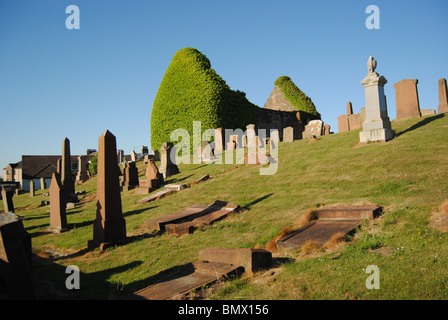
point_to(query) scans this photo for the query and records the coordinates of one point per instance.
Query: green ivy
(297, 98)
(192, 91)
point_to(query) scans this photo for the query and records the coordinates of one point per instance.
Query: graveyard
(406, 176)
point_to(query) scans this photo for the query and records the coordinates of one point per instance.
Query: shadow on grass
(174, 180)
(420, 124)
(250, 204)
(50, 281)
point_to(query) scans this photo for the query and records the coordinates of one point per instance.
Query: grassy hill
(407, 176)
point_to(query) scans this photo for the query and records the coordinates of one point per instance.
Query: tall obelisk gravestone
(66, 172)
(58, 216)
(109, 227)
(376, 126)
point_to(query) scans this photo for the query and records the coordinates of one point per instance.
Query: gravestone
(288, 134)
(205, 151)
(59, 166)
(15, 258)
(343, 123)
(349, 108)
(218, 140)
(130, 176)
(427, 112)
(154, 179)
(66, 173)
(377, 126)
(443, 96)
(167, 166)
(32, 193)
(326, 129)
(313, 128)
(82, 169)
(134, 156)
(251, 135)
(58, 217)
(349, 121)
(144, 150)
(42, 183)
(120, 156)
(109, 227)
(406, 99)
(156, 155)
(7, 194)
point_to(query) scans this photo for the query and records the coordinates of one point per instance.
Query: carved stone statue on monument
(371, 64)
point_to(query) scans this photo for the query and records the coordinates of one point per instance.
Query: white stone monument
(376, 126)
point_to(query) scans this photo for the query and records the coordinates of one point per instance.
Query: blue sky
(57, 83)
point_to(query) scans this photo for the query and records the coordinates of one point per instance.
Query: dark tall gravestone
(15, 258)
(7, 194)
(66, 172)
(109, 227)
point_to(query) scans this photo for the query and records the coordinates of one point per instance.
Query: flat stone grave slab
(189, 214)
(187, 278)
(155, 196)
(176, 186)
(214, 264)
(330, 220)
(215, 212)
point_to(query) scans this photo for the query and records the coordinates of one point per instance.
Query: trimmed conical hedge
(297, 98)
(192, 91)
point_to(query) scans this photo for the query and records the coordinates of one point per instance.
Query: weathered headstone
(427, 112)
(406, 99)
(349, 108)
(251, 135)
(218, 140)
(7, 194)
(134, 156)
(58, 217)
(66, 172)
(288, 134)
(130, 176)
(443, 96)
(32, 193)
(313, 128)
(156, 155)
(167, 167)
(377, 126)
(15, 258)
(144, 150)
(120, 156)
(205, 151)
(109, 227)
(82, 169)
(326, 129)
(154, 179)
(349, 121)
(343, 123)
(42, 183)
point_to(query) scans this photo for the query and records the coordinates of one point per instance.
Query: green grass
(406, 175)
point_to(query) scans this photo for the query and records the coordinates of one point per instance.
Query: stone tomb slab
(187, 278)
(331, 220)
(183, 222)
(155, 196)
(214, 264)
(215, 212)
(180, 216)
